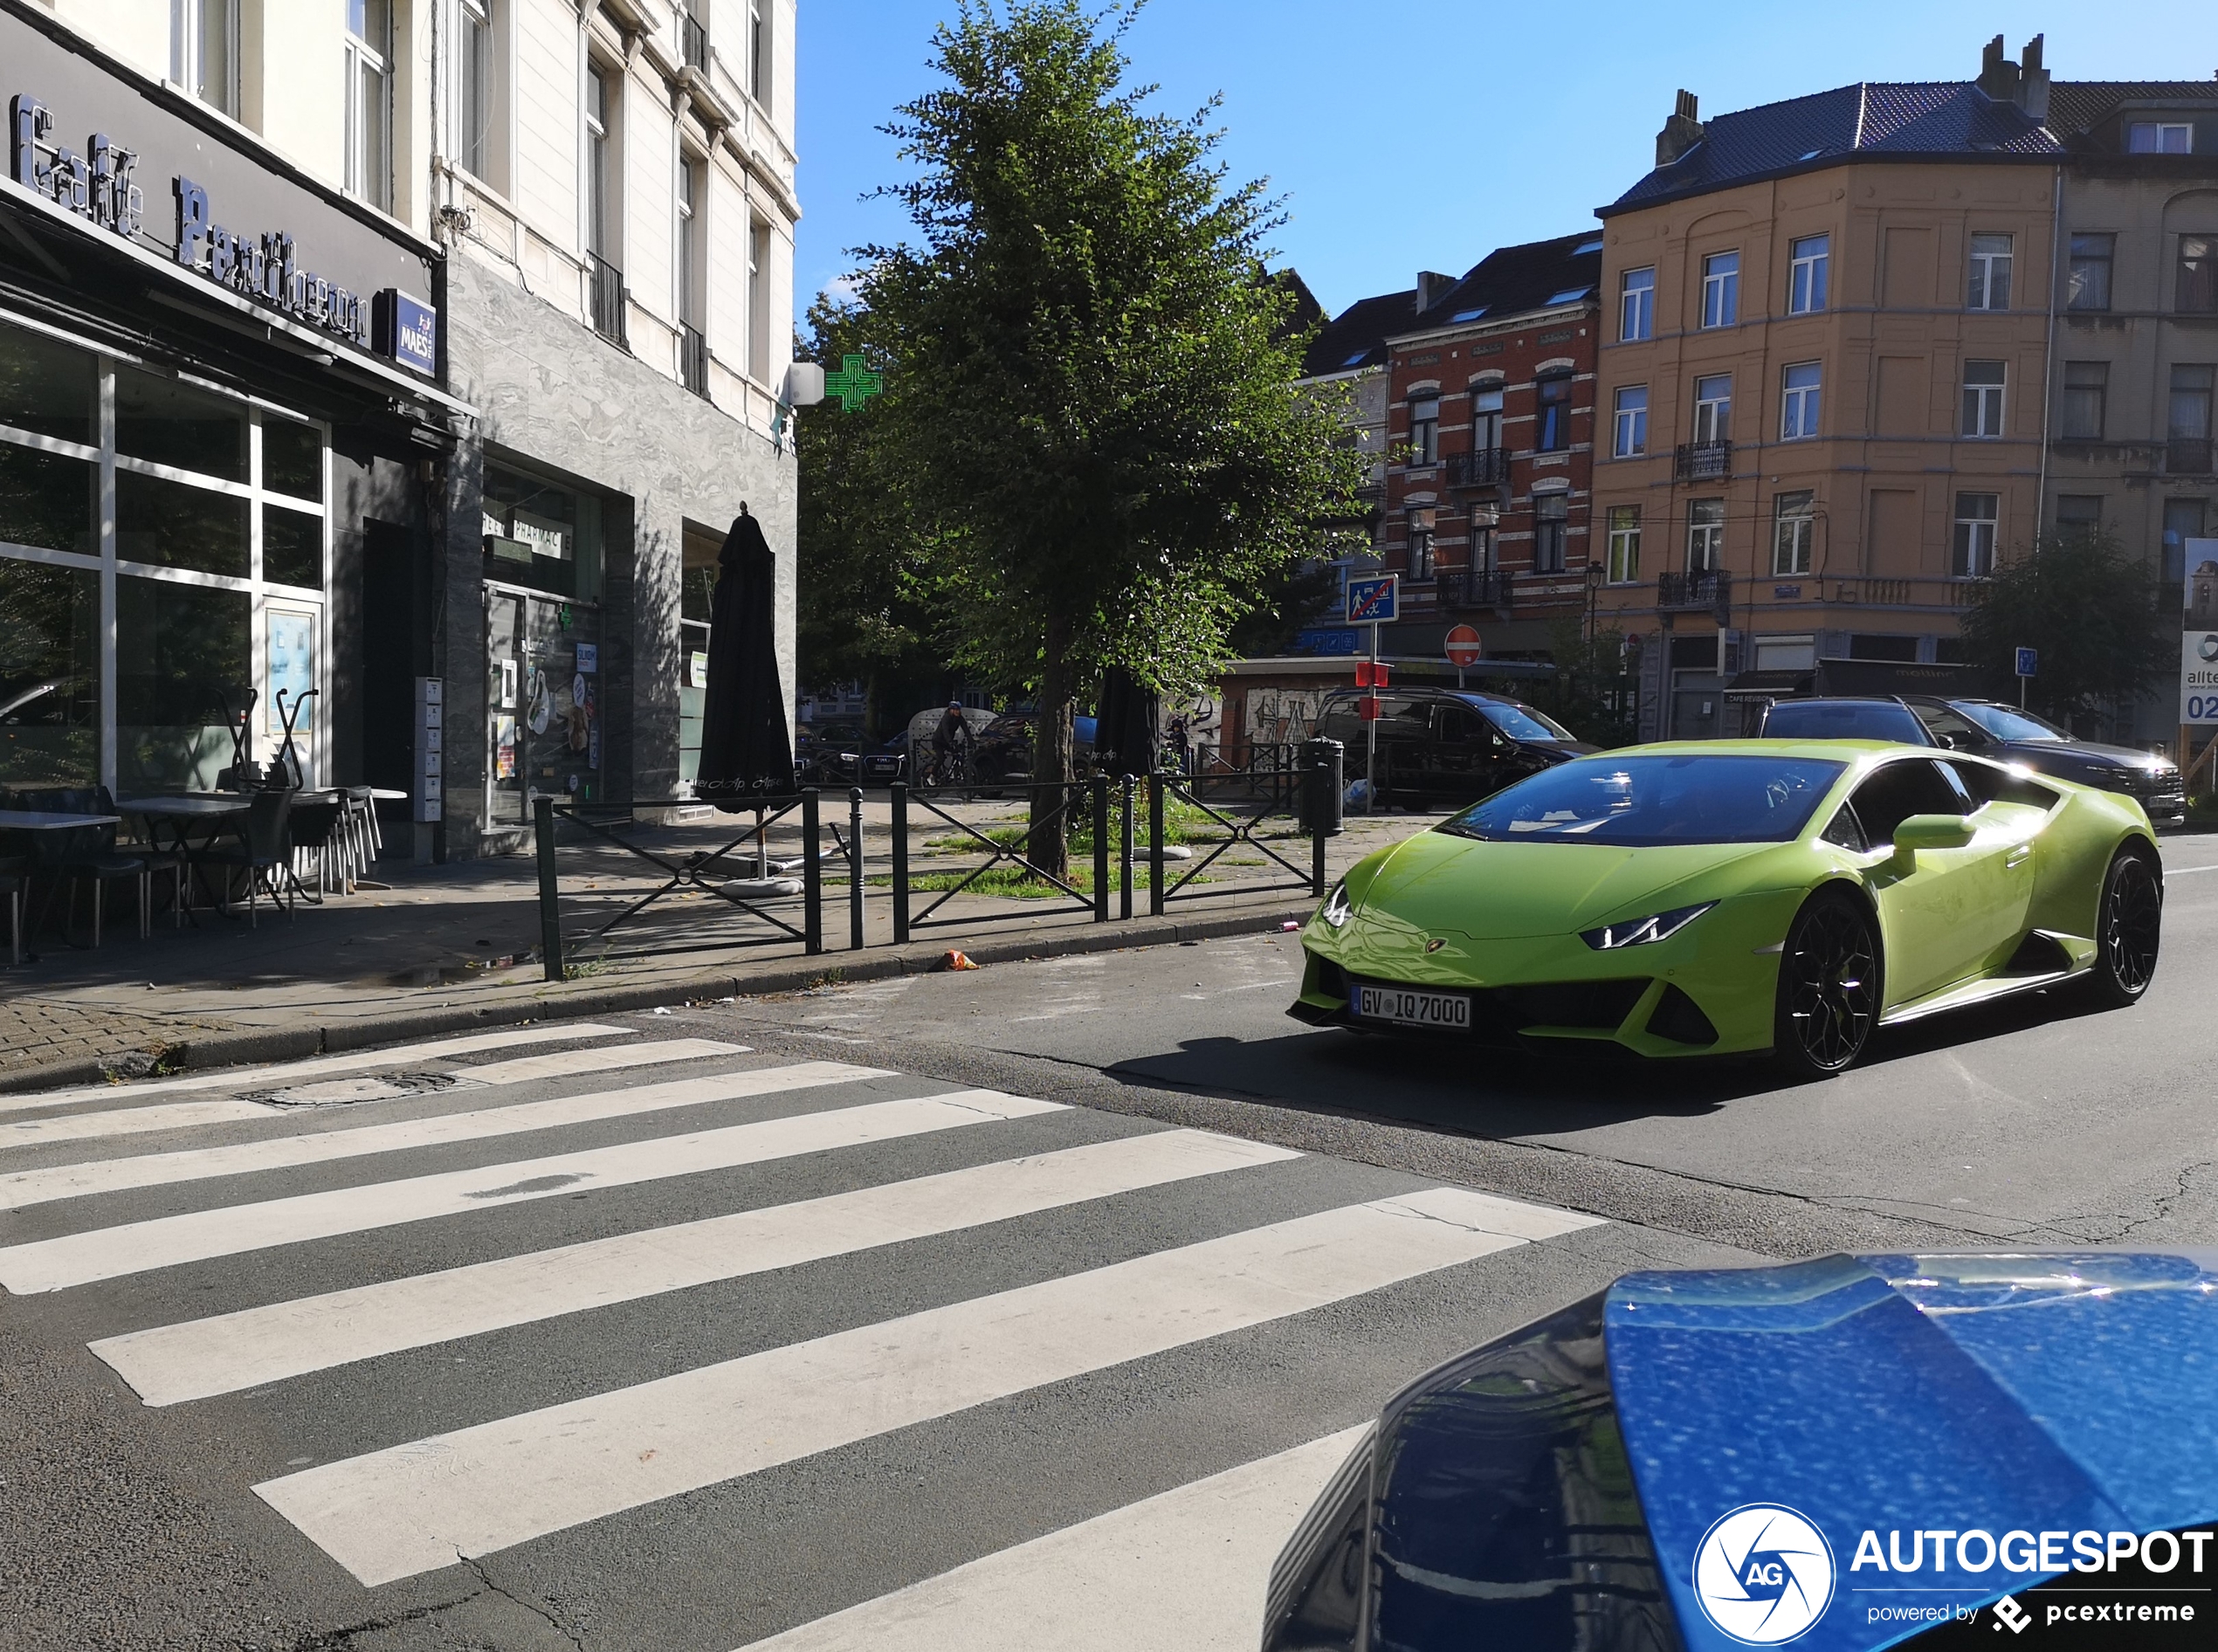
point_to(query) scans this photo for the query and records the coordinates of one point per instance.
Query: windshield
(1844, 720)
(1647, 801)
(2005, 723)
(1522, 722)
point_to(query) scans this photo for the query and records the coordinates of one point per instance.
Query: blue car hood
(1879, 1397)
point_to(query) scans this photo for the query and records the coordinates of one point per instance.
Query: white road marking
(1188, 1568)
(319, 1146)
(417, 1507)
(165, 1241)
(183, 1115)
(567, 1062)
(223, 1355)
(2187, 871)
(353, 1062)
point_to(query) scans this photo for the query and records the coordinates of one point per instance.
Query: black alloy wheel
(2128, 929)
(1828, 989)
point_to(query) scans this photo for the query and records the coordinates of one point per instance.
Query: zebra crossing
(550, 1327)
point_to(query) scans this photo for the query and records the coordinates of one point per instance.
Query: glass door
(543, 702)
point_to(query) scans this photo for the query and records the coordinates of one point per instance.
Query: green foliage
(1593, 691)
(1088, 395)
(2091, 610)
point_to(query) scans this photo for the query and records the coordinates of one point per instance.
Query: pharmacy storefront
(218, 433)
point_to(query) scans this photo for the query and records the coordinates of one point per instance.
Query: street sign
(1373, 601)
(1370, 674)
(2029, 662)
(1463, 647)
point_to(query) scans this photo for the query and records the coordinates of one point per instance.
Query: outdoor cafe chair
(88, 854)
(264, 854)
(12, 886)
(322, 830)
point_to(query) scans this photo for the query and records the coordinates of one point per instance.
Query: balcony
(606, 298)
(1487, 467)
(692, 358)
(1703, 461)
(696, 36)
(1477, 588)
(1709, 588)
(2188, 456)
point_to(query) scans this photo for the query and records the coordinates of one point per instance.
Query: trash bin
(1320, 786)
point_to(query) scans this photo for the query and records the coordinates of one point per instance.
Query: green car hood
(1505, 892)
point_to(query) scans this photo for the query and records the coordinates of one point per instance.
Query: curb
(291, 1043)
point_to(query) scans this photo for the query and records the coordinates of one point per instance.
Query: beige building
(1826, 371)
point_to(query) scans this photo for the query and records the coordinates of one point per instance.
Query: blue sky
(1423, 134)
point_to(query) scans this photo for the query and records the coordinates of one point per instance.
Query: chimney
(1431, 286)
(1681, 133)
(2033, 81)
(1998, 75)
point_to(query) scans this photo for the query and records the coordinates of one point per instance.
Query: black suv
(1446, 746)
(1991, 729)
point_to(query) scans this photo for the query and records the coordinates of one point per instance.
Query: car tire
(1830, 973)
(2129, 929)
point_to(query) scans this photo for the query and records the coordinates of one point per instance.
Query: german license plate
(1406, 1007)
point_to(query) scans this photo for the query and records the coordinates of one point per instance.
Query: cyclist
(950, 743)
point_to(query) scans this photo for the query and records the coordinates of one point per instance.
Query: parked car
(1446, 746)
(1005, 747)
(1845, 717)
(826, 754)
(1845, 1453)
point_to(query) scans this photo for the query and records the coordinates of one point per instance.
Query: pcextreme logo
(1764, 1574)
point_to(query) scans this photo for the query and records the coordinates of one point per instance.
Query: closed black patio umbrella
(1125, 731)
(746, 751)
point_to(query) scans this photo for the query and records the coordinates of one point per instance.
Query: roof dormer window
(2160, 137)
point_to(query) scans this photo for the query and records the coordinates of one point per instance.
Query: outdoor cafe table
(180, 812)
(40, 820)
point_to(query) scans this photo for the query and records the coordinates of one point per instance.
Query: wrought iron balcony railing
(1701, 461)
(1709, 587)
(1476, 587)
(1486, 467)
(606, 298)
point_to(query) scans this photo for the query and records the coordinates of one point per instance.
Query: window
(1975, 516)
(1706, 535)
(370, 101)
(1891, 796)
(1800, 390)
(758, 53)
(1552, 431)
(2197, 290)
(1713, 408)
(2160, 137)
(1721, 289)
(757, 301)
(1484, 524)
(2088, 283)
(1794, 528)
(600, 109)
(1990, 282)
(1425, 430)
(1421, 551)
(2078, 515)
(1807, 262)
(1486, 417)
(1631, 426)
(1983, 386)
(2183, 520)
(1624, 553)
(2086, 394)
(691, 187)
(204, 50)
(2189, 425)
(1551, 528)
(473, 88)
(1637, 305)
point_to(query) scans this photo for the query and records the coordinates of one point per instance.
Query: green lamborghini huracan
(1733, 897)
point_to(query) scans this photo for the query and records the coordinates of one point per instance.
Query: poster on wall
(290, 636)
(2198, 636)
(504, 748)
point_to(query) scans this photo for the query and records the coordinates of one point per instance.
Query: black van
(1445, 745)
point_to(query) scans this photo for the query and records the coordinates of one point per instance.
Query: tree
(1592, 692)
(1090, 398)
(2090, 609)
(866, 602)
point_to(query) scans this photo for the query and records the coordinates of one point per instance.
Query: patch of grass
(1183, 822)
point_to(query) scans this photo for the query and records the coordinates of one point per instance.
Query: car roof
(1831, 750)
(1439, 691)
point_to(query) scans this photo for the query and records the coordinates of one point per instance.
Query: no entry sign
(1463, 647)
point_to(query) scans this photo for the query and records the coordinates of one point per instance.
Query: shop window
(50, 675)
(541, 535)
(291, 458)
(1882, 645)
(182, 657)
(292, 548)
(164, 523)
(48, 500)
(165, 423)
(48, 388)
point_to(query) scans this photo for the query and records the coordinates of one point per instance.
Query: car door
(1946, 914)
(1462, 769)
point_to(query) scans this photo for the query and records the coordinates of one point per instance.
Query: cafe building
(218, 382)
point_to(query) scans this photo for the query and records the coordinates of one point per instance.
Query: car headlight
(1337, 909)
(1640, 931)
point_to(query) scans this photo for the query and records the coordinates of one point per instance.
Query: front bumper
(1709, 990)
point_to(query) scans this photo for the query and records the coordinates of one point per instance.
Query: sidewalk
(453, 947)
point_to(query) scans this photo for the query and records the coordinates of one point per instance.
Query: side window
(1991, 784)
(1953, 731)
(1847, 830)
(1458, 726)
(1912, 787)
(1981, 781)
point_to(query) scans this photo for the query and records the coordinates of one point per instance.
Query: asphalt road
(1012, 1308)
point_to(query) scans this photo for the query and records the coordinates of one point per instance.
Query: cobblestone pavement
(35, 1032)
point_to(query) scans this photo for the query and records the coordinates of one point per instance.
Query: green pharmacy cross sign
(854, 383)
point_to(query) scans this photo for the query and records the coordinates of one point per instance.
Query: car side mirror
(1933, 831)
